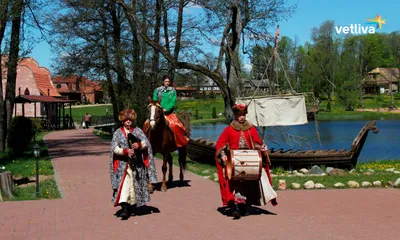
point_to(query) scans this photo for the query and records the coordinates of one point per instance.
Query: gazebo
(54, 109)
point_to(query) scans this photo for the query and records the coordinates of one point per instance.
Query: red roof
(42, 77)
(35, 98)
(185, 88)
(84, 83)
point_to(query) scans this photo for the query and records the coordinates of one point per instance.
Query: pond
(385, 145)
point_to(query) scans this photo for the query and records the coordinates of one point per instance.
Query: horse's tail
(182, 158)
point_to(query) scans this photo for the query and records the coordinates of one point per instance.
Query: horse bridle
(151, 104)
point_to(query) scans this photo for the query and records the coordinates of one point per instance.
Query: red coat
(230, 137)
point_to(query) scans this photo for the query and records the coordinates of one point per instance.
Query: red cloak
(230, 137)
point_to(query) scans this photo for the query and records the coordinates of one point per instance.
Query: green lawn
(205, 108)
(79, 112)
(25, 167)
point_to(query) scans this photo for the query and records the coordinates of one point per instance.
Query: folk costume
(167, 95)
(130, 175)
(243, 193)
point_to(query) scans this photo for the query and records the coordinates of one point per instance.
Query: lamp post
(36, 153)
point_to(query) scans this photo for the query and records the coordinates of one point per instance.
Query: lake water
(385, 145)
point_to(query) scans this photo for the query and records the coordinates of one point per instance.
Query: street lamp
(36, 153)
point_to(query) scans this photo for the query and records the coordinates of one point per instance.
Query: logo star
(378, 20)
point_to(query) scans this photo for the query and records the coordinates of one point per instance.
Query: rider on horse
(167, 97)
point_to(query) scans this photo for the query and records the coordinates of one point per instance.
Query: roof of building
(383, 75)
(96, 85)
(42, 77)
(36, 98)
(185, 89)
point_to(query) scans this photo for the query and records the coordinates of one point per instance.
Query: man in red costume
(240, 195)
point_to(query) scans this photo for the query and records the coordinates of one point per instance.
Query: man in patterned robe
(240, 195)
(131, 170)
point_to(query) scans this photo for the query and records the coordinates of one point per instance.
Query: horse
(162, 141)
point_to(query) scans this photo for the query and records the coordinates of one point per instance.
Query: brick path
(85, 212)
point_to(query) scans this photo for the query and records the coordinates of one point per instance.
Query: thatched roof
(382, 76)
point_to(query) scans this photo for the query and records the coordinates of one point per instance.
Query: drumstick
(266, 154)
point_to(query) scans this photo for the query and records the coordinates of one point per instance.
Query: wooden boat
(203, 151)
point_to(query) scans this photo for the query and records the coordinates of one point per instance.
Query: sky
(308, 14)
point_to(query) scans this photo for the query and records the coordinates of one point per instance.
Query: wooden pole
(63, 110)
(70, 115)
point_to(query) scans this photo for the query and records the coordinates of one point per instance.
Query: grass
(209, 171)
(25, 167)
(378, 168)
(205, 108)
(47, 190)
(201, 169)
(338, 111)
(79, 112)
(103, 135)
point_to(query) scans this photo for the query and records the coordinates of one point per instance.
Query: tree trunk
(6, 185)
(156, 55)
(13, 59)
(140, 84)
(107, 72)
(123, 88)
(3, 123)
(232, 58)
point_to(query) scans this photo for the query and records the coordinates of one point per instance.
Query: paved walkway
(85, 212)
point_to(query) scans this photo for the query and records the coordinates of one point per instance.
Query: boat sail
(276, 110)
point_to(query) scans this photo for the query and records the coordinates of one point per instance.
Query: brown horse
(162, 141)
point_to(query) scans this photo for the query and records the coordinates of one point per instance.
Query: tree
(322, 59)
(99, 42)
(349, 81)
(237, 17)
(4, 5)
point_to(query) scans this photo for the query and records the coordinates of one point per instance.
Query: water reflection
(333, 135)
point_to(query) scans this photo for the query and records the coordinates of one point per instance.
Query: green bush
(379, 98)
(37, 124)
(214, 113)
(328, 107)
(20, 134)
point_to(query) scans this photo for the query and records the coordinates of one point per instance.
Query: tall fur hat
(127, 114)
(239, 109)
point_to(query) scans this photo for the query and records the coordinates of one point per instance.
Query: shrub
(214, 112)
(328, 106)
(37, 124)
(20, 134)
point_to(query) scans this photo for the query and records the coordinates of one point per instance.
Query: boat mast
(271, 73)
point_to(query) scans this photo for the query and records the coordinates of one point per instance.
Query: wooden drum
(244, 165)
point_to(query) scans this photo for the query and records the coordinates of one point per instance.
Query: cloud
(247, 67)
